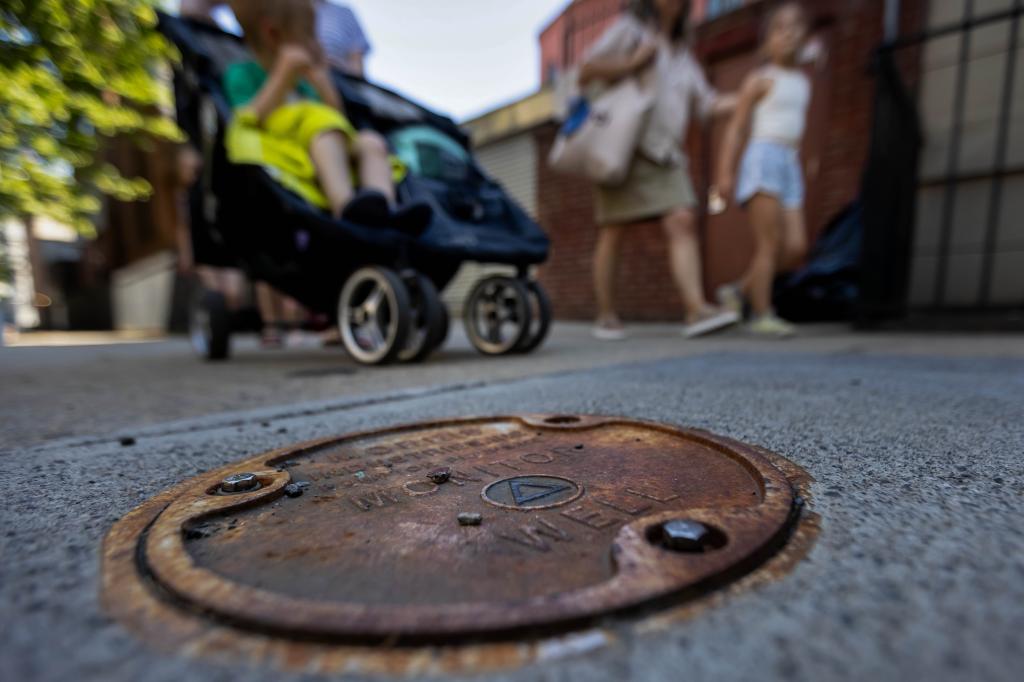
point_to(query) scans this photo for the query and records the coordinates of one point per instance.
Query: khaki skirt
(650, 191)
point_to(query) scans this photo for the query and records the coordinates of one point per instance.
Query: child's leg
(268, 302)
(331, 160)
(270, 316)
(766, 219)
(374, 164)
(793, 244)
(231, 283)
(292, 312)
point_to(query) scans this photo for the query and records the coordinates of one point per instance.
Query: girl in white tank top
(781, 114)
(768, 127)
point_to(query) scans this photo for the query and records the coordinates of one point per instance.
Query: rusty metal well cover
(453, 530)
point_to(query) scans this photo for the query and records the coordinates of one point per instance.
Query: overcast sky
(462, 57)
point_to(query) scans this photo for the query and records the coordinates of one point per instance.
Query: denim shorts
(773, 169)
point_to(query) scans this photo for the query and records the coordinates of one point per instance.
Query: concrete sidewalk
(914, 442)
(86, 388)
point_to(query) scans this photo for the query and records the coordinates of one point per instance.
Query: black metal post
(953, 161)
(995, 200)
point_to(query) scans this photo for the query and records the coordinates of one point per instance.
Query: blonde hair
(287, 14)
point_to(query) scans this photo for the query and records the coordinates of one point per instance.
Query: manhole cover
(359, 538)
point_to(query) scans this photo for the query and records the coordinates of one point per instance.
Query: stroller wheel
(540, 306)
(498, 315)
(429, 323)
(210, 325)
(374, 315)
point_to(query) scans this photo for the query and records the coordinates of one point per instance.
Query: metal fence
(962, 247)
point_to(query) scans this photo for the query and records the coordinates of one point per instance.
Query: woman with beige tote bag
(653, 35)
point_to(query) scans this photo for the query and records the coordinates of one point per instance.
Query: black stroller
(380, 286)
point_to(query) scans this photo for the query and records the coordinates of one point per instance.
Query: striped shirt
(340, 34)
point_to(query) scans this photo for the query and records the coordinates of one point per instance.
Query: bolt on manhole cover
(466, 533)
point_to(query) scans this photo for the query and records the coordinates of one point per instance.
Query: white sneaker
(730, 297)
(605, 333)
(711, 323)
(771, 325)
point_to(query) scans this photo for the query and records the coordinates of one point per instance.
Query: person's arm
(189, 165)
(736, 135)
(183, 242)
(292, 62)
(711, 104)
(320, 78)
(614, 68)
(625, 48)
(725, 105)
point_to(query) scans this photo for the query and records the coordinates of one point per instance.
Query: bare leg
(793, 245)
(227, 281)
(766, 221)
(209, 277)
(684, 257)
(374, 164)
(331, 160)
(267, 301)
(606, 260)
(234, 287)
(231, 283)
(291, 311)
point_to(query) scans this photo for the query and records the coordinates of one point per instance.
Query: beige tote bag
(600, 135)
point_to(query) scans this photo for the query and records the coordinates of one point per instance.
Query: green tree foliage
(73, 72)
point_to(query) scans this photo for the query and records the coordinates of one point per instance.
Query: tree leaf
(75, 72)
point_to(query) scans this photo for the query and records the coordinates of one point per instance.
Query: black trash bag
(827, 287)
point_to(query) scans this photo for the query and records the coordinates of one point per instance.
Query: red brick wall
(645, 289)
(575, 30)
(552, 49)
(856, 32)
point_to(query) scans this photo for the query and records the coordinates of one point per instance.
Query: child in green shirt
(290, 119)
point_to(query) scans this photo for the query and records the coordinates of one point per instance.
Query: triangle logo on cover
(523, 492)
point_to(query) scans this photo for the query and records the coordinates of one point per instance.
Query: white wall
(23, 289)
(142, 293)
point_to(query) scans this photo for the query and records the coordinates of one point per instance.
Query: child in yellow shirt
(290, 119)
